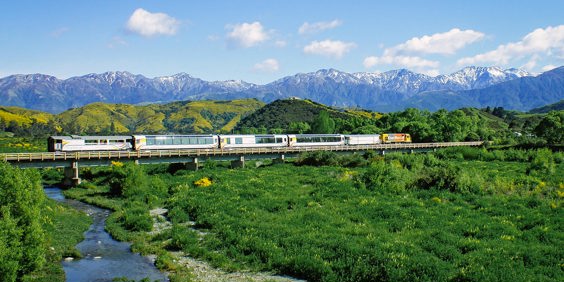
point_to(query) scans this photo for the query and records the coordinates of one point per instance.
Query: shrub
(542, 163)
(203, 182)
(318, 158)
(442, 177)
(383, 176)
(136, 217)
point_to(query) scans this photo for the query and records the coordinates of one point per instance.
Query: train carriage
(365, 139)
(89, 143)
(305, 140)
(253, 141)
(174, 142)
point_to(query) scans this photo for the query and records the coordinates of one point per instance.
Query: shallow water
(103, 257)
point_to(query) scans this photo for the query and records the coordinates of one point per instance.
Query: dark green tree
(323, 124)
(551, 127)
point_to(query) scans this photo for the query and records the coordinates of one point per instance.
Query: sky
(260, 41)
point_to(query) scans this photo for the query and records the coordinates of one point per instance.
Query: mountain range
(388, 91)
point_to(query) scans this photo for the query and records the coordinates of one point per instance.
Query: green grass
(496, 221)
(22, 145)
(64, 226)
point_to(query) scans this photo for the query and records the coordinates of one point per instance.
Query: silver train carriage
(89, 143)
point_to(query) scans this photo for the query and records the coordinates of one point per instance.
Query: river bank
(103, 258)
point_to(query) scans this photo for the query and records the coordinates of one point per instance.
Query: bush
(136, 217)
(542, 163)
(318, 158)
(383, 176)
(441, 177)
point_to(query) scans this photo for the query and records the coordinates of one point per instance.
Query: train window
(238, 140)
(90, 142)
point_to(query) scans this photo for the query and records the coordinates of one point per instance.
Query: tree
(298, 127)
(323, 124)
(551, 127)
(22, 240)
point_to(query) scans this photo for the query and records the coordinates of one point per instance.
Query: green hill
(102, 118)
(558, 106)
(281, 113)
(23, 117)
(176, 117)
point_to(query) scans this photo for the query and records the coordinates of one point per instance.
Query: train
(74, 143)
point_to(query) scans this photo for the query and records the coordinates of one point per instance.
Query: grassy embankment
(458, 215)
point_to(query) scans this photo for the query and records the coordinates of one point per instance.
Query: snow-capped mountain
(387, 91)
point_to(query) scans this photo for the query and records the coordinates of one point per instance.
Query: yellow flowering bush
(204, 182)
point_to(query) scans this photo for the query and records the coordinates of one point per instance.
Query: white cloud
(247, 34)
(446, 43)
(318, 26)
(150, 24)
(540, 42)
(268, 65)
(330, 48)
(548, 67)
(400, 61)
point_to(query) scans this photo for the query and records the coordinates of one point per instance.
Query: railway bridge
(70, 161)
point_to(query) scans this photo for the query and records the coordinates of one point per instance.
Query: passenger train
(175, 142)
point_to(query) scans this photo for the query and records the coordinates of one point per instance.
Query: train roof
(77, 137)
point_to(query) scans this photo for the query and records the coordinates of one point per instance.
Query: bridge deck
(199, 153)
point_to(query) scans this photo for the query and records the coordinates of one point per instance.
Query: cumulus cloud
(540, 42)
(318, 26)
(407, 54)
(151, 24)
(446, 43)
(400, 61)
(268, 65)
(329, 48)
(247, 34)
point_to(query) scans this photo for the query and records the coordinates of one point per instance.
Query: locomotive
(75, 143)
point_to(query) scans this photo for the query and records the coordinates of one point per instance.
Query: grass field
(398, 218)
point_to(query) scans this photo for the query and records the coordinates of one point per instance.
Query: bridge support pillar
(411, 151)
(193, 165)
(279, 160)
(71, 175)
(240, 163)
(383, 152)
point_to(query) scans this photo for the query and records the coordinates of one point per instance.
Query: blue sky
(260, 41)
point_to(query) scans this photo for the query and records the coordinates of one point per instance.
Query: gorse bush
(383, 176)
(542, 163)
(442, 177)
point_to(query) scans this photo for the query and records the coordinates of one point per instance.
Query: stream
(103, 257)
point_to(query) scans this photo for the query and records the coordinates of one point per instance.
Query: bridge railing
(117, 155)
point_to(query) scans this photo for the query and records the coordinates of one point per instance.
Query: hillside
(281, 113)
(558, 106)
(102, 118)
(23, 116)
(177, 117)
